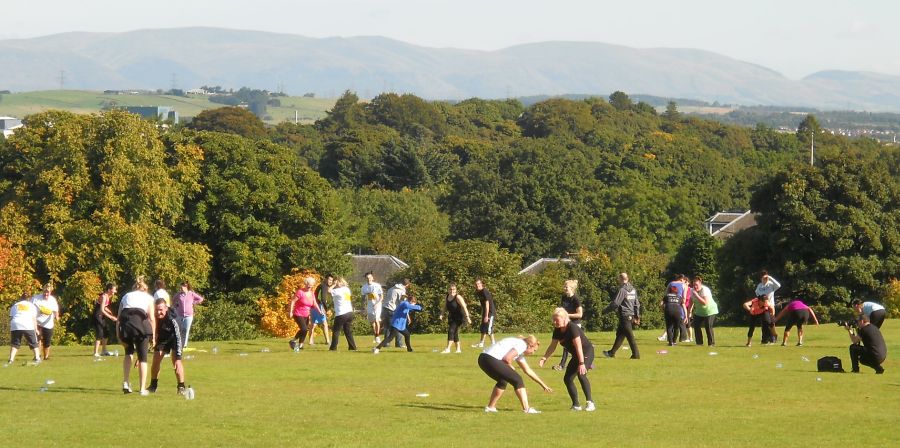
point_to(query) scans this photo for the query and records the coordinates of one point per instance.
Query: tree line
(478, 188)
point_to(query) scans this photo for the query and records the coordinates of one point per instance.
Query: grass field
(80, 101)
(246, 396)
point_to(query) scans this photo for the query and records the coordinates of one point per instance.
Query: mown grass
(248, 397)
(81, 101)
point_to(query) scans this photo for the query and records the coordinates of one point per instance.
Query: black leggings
(453, 329)
(342, 323)
(704, 323)
(303, 323)
(395, 333)
(572, 372)
(500, 372)
(876, 318)
(674, 321)
(625, 331)
(764, 320)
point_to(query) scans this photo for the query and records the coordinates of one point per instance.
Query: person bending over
(874, 312)
(496, 361)
(572, 337)
(168, 341)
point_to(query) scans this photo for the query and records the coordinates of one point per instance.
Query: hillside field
(82, 101)
(258, 393)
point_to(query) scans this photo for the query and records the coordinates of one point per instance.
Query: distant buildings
(542, 263)
(381, 266)
(8, 125)
(161, 113)
(724, 225)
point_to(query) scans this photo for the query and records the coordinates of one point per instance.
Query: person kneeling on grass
(168, 341)
(496, 362)
(868, 346)
(399, 323)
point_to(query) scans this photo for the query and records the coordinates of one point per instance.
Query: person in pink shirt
(304, 300)
(184, 303)
(798, 314)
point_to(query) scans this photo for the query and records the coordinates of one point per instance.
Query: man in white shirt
(23, 323)
(48, 317)
(374, 296)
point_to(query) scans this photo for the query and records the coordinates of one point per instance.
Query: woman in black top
(454, 307)
(100, 314)
(572, 304)
(573, 339)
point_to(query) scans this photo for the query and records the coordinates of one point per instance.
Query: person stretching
(572, 338)
(496, 362)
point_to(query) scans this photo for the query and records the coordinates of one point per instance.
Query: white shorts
(373, 311)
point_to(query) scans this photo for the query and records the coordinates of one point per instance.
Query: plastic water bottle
(215, 350)
(189, 393)
(804, 358)
(116, 353)
(779, 365)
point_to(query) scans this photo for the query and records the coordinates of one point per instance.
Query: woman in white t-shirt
(48, 317)
(496, 362)
(136, 329)
(343, 314)
(23, 324)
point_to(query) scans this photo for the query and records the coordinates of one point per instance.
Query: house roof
(381, 266)
(743, 221)
(542, 263)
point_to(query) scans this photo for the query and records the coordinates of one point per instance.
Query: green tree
(99, 194)
(231, 120)
(263, 212)
(620, 100)
(831, 230)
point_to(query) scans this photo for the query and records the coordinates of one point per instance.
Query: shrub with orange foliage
(16, 273)
(275, 319)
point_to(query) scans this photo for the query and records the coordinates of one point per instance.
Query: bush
(223, 320)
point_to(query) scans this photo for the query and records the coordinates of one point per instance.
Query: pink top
(796, 305)
(185, 301)
(306, 299)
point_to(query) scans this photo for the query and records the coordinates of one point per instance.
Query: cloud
(858, 29)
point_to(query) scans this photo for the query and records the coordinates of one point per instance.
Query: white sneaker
(377, 339)
(531, 411)
(478, 345)
(590, 407)
(446, 350)
(575, 408)
(489, 409)
(458, 351)
(126, 388)
(661, 339)
(375, 351)
(145, 393)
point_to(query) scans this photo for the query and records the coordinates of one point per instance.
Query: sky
(793, 37)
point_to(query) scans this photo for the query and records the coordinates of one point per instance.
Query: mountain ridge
(194, 56)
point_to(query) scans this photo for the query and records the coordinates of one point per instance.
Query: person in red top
(761, 312)
(304, 300)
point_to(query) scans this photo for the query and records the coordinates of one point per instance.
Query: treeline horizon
(477, 188)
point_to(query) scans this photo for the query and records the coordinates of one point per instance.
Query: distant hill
(151, 59)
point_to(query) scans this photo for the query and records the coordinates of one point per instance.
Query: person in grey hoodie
(628, 308)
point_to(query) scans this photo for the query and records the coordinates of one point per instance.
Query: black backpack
(830, 364)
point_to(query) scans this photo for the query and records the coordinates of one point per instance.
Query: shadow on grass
(441, 406)
(69, 389)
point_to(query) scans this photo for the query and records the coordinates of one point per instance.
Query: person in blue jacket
(399, 322)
